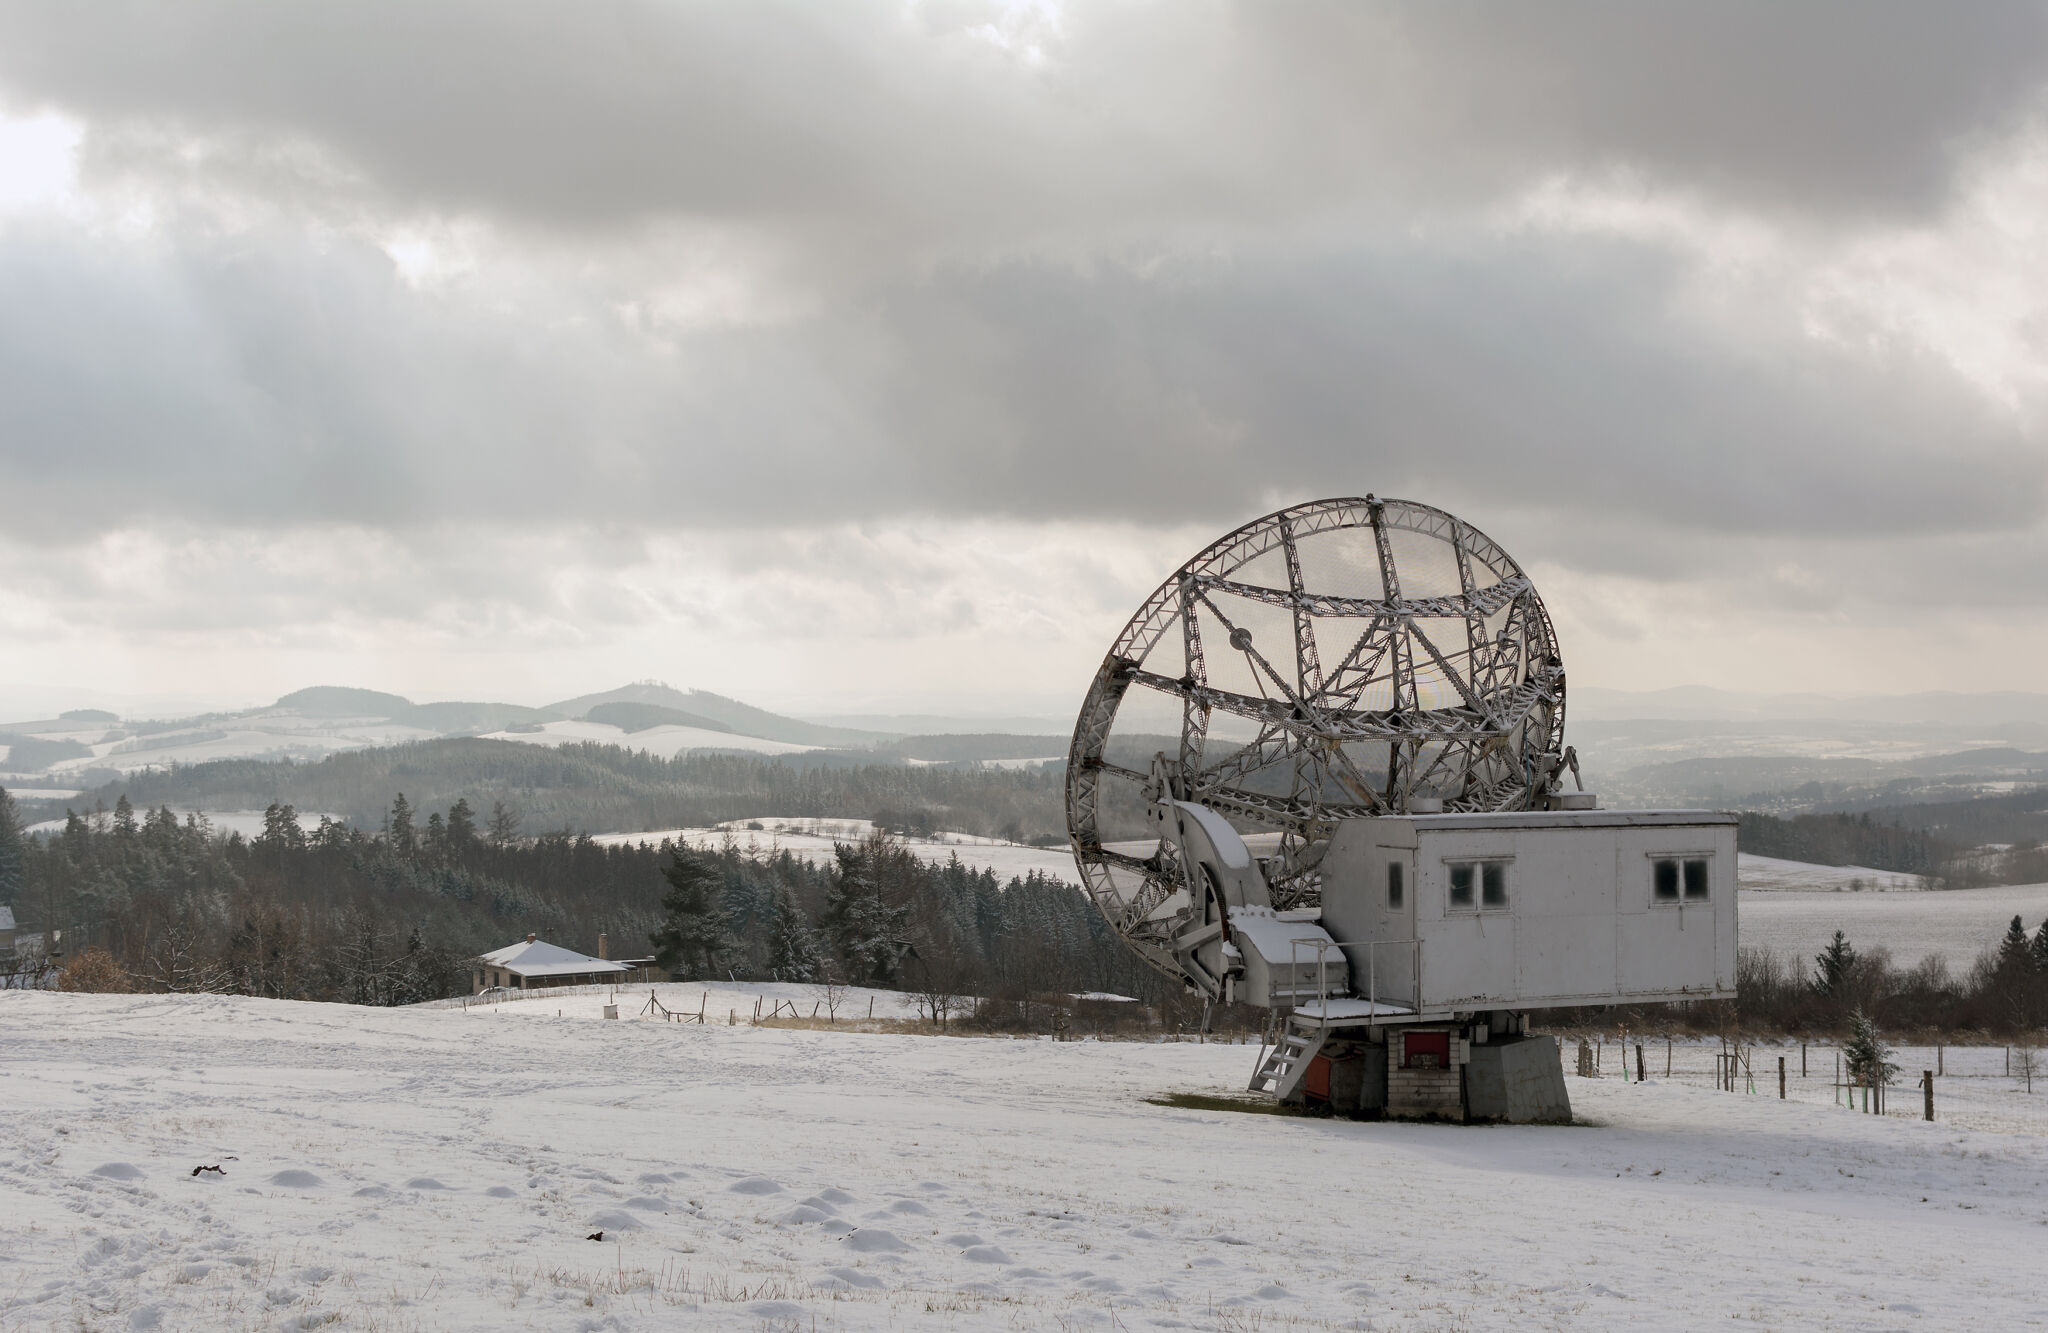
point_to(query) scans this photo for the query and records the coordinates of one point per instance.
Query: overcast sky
(881, 356)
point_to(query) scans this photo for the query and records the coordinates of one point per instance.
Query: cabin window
(1396, 889)
(1676, 879)
(1480, 886)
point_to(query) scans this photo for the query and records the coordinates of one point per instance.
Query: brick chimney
(531, 937)
(604, 946)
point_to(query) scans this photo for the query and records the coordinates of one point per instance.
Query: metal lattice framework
(1335, 660)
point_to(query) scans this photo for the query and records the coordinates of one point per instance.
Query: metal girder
(1481, 602)
(1464, 709)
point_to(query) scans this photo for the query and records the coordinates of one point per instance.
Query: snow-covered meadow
(443, 1168)
(1958, 924)
(813, 839)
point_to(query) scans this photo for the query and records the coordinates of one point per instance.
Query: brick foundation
(1417, 1093)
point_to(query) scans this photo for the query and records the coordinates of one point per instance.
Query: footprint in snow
(1273, 1291)
(372, 1192)
(424, 1183)
(780, 1312)
(500, 1192)
(614, 1221)
(805, 1215)
(119, 1171)
(297, 1180)
(850, 1277)
(903, 1207)
(873, 1240)
(649, 1205)
(960, 1240)
(755, 1185)
(985, 1254)
(837, 1197)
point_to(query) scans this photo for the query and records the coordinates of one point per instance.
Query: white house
(6, 931)
(533, 963)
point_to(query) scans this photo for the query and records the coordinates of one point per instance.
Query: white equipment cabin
(1438, 935)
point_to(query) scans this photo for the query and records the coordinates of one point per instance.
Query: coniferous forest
(395, 916)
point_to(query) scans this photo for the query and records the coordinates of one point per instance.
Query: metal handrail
(1324, 945)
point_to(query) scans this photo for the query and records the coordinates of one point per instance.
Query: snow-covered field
(666, 742)
(443, 1168)
(813, 840)
(1957, 924)
(1766, 874)
(248, 823)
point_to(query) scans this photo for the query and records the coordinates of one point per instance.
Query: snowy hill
(87, 747)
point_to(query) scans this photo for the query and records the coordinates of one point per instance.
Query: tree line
(592, 786)
(395, 914)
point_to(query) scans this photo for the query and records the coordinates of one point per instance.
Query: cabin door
(1386, 967)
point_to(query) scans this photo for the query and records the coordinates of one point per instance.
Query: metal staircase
(1284, 1065)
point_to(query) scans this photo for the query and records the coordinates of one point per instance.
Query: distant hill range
(715, 712)
(49, 759)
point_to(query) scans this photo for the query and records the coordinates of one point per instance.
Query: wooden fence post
(1641, 1077)
(1940, 1061)
(1802, 1059)
(1667, 1057)
(1781, 1078)
(1927, 1083)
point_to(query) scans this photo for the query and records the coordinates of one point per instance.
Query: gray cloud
(862, 124)
(757, 272)
(261, 380)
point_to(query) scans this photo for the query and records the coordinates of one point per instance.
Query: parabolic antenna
(1336, 660)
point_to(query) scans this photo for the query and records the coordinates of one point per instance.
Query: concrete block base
(1520, 1080)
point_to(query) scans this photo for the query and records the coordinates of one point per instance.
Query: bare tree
(834, 993)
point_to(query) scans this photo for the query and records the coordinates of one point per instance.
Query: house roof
(538, 958)
(6, 918)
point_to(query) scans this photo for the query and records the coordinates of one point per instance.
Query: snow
(270, 736)
(1765, 874)
(248, 823)
(812, 840)
(666, 741)
(1958, 924)
(441, 1168)
(538, 958)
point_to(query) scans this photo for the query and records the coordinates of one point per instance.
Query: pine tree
(794, 951)
(2039, 948)
(864, 931)
(461, 827)
(13, 858)
(504, 826)
(1833, 965)
(1866, 1055)
(404, 838)
(2014, 952)
(694, 936)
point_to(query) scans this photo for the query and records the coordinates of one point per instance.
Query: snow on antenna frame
(1275, 749)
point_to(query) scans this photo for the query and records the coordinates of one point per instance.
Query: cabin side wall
(1582, 922)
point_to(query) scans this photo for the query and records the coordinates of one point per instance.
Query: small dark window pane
(1695, 879)
(1396, 890)
(1666, 882)
(1461, 885)
(1493, 884)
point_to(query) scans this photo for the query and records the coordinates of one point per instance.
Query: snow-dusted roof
(538, 958)
(6, 918)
